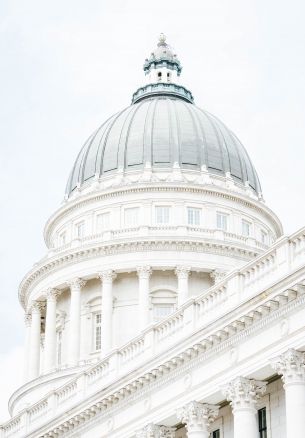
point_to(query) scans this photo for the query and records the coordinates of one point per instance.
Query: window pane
(103, 222)
(131, 216)
(193, 216)
(216, 434)
(245, 228)
(263, 236)
(80, 229)
(98, 331)
(222, 221)
(162, 215)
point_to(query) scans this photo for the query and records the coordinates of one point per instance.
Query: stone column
(243, 394)
(34, 359)
(291, 365)
(27, 321)
(155, 431)
(50, 331)
(182, 273)
(74, 327)
(144, 273)
(107, 278)
(197, 417)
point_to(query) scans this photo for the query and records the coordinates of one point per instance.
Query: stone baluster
(34, 359)
(291, 365)
(144, 273)
(27, 321)
(75, 322)
(197, 417)
(50, 331)
(182, 273)
(155, 431)
(107, 278)
(243, 394)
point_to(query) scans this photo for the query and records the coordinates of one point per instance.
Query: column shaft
(107, 278)
(74, 329)
(34, 360)
(182, 273)
(245, 424)
(144, 273)
(28, 320)
(50, 332)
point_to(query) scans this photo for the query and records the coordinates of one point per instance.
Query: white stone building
(169, 303)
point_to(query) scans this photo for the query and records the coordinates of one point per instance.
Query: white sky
(68, 65)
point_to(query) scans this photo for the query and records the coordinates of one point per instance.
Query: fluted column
(182, 273)
(34, 359)
(50, 331)
(291, 365)
(144, 273)
(243, 394)
(197, 417)
(74, 330)
(156, 431)
(27, 321)
(107, 278)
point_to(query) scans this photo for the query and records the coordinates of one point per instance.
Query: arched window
(163, 303)
(159, 76)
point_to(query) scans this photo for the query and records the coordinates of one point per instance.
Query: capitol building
(169, 303)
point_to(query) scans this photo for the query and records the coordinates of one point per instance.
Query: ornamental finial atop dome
(162, 39)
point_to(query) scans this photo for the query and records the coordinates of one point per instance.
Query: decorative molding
(52, 294)
(108, 276)
(155, 431)
(37, 307)
(244, 393)
(28, 319)
(183, 272)
(291, 365)
(217, 275)
(197, 416)
(144, 272)
(76, 284)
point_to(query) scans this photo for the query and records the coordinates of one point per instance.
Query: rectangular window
(262, 423)
(161, 311)
(131, 216)
(103, 222)
(98, 331)
(162, 215)
(193, 216)
(222, 221)
(216, 433)
(245, 228)
(264, 237)
(62, 238)
(80, 229)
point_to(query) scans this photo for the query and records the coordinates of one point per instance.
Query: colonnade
(107, 277)
(243, 395)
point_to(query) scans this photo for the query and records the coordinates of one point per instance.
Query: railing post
(283, 256)
(149, 342)
(235, 290)
(189, 317)
(114, 363)
(24, 421)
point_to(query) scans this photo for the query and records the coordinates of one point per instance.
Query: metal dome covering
(162, 131)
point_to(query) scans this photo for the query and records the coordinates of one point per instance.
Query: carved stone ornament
(155, 431)
(52, 294)
(244, 393)
(144, 272)
(107, 276)
(182, 271)
(77, 283)
(217, 275)
(291, 365)
(37, 307)
(197, 416)
(27, 319)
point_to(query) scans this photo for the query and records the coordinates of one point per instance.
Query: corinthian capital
(217, 275)
(52, 294)
(76, 283)
(197, 416)
(37, 307)
(27, 319)
(244, 393)
(155, 431)
(144, 271)
(107, 276)
(182, 271)
(291, 365)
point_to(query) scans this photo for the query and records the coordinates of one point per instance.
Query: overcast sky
(67, 65)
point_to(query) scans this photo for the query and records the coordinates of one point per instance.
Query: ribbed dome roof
(162, 130)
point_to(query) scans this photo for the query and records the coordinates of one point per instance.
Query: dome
(163, 131)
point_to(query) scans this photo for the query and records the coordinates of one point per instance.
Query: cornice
(95, 250)
(169, 370)
(102, 194)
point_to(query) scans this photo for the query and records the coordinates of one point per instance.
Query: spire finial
(162, 39)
